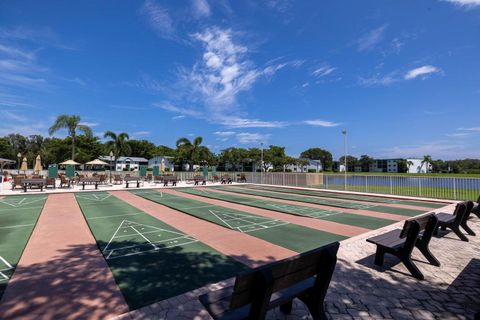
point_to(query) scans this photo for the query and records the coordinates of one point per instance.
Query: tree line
(82, 146)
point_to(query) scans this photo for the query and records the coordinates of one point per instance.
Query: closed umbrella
(24, 166)
(38, 165)
(162, 166)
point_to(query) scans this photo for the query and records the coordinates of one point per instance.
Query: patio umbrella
(38, 164)
(24, 166)
(162, 165)
(97, 162)
(70, 162)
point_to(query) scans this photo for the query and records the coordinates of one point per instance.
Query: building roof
(122, 159)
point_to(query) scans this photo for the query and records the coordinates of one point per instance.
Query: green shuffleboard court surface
(332, 203)
(330, 215)
(150, 260)
(356, 197)
(18, 217)
(281, 233)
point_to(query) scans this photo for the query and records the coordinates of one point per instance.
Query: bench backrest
(460, 212)
(256, 286)
(413, 227)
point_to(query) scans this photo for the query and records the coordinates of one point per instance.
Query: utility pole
(344, 132)
(261, 163)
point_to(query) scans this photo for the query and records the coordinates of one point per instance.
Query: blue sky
(403, 77)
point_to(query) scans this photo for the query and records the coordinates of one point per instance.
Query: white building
(157, 161)
(391, 165)
(126, 163)
(313, 165)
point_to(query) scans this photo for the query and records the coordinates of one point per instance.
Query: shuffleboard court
(330, 215)
(150, 260)
(331, 203)
(18, 217)
(318, 193)
(284, 234)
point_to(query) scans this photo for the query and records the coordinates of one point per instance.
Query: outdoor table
(33, 182)
(92, 180)
(129, 179)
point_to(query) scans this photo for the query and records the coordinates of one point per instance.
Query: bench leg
(459, 233)
(443, 228)
(379, 255)
(429, 256)
(286, 308)
(467, 228)
(416, 273)
(317, 310)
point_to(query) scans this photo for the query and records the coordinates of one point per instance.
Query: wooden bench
(416, 232)
(305, 276)
(89, 181)
(30, 183)
(226, 179)
(167, 179)
(453, 221)
(17, 181)
(197, 179)
(132, 179)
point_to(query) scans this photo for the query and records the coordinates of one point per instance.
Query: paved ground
(360, 290)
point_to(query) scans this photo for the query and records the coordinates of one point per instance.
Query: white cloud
(180, 110)
(323, 71)
(15, 52)
(158, 18)
(224, 133)
(6, 114)
(369, 40)
(421, 71)
(378, 80)
(464, 3)
(200, 8)
(178, 117)
(237, 122)
(252, 138)
(90, 124)
(474, 129)
(321, 123)
(141, 133)
(224, 71)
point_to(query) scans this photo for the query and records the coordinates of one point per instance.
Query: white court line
(6, 263)
(16, 205)
(156, 242)
(107, 195)
(156, 248)
(104, 249)
(17, 226)
(166, 247)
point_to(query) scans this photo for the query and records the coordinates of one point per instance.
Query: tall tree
(323, 155)
(187, 150)
(72, 124)
(365, 162)
(117, 144)
(427, 160)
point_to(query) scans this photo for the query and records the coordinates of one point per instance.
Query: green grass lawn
(444, 175)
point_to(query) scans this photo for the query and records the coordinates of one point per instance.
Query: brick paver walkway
(360, 290)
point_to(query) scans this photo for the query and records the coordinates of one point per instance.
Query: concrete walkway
(360, 290)
(62, 274)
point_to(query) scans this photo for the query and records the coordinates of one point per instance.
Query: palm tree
(427, 160)
(72, 124)
(409, 163)
(118, 144)
(188, 149)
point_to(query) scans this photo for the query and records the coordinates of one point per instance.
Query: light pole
(111, 156)
(344, 132)
(19, 156)
(261, 163)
